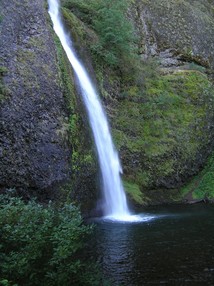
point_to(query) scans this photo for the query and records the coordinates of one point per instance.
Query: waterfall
(115, 204)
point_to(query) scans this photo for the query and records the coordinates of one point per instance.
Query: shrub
(115, 31)
(42, 245)
(108, 18)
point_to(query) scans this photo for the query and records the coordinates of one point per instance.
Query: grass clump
(41, 245)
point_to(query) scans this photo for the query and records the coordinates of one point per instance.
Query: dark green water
(176, 247)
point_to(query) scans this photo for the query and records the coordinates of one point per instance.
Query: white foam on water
(130, 218)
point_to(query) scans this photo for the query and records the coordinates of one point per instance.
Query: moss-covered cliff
(160, 103)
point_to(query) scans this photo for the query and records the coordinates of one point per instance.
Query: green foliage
(108, 18)
(202, 186)
(115, 32)
(42, 245)
(83, 9)
(134, 191)
(5, 282)
(74, 25)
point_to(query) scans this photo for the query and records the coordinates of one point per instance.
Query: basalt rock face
(34, 152)
(184, 27)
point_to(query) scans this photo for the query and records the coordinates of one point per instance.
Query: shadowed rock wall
(34, 153)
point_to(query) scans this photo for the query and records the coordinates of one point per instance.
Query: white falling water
(114, 196)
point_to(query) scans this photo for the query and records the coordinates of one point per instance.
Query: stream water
(173, 246)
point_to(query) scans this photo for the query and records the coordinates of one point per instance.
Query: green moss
(74, 25)
(27, 63)
(202, 186)
(66, 74)
(67, 84)
(163, 127)
(3, 70)
(134, 191)
(37, 43)
(82, 153)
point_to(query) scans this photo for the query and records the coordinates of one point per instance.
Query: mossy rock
(80, 32)
(201, 186)
(164, 139)
(83, 161)
(162, 120)
(134, 192)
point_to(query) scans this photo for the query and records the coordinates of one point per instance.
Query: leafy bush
(42, 245)
(115, 32)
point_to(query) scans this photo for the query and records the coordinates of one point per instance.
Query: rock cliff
(186, 27)
(34, 152)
